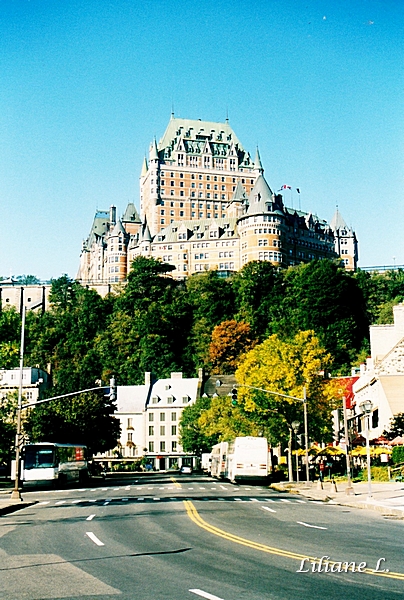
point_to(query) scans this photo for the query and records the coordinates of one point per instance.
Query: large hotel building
(205, 204)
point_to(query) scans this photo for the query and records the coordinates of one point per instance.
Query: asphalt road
(190, 537)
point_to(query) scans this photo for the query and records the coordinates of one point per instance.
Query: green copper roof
(145, 168)
(131, 215)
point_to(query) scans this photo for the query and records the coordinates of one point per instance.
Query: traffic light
(112, 389)
(300, 439)
(234, 397)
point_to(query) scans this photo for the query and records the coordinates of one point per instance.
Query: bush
(379, 473)
(397, 456)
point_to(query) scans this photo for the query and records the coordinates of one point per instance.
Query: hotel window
(151, 417)
(162, 430)
(151, 446)
(173, 416)
(173, 429)
(173, 446)
(162, 446)
(151, 430)
(130, 423)
(162, 416)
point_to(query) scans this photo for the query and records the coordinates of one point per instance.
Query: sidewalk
(387, 497)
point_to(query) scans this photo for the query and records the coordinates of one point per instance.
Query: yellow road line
(197, 519)
(175, 482)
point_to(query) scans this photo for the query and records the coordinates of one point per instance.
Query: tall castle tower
(193, 172)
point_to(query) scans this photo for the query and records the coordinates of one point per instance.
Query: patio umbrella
(398, 441)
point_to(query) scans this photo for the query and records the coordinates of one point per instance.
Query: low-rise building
(34, 382)
(382, 378)
(149, 415)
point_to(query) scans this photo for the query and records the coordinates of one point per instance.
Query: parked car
(186, 469)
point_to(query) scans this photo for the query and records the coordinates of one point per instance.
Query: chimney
(147, 378)
(112, 215)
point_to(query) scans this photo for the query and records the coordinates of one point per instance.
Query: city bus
(58, 464)
(247, 459)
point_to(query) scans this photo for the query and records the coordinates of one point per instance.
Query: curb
(385, 510)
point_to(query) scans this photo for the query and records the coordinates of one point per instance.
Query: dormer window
(155, 400)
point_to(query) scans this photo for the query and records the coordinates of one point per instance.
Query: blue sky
(87, 84)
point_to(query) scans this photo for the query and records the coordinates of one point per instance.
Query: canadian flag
(286, 187)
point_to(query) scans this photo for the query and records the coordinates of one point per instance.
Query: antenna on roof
(172, 110)
(227, 114)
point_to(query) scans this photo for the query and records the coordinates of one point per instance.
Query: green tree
(64, 336)
(323, 297)
(223, 422)
(211, 300)
(258, 294)
(8, 409)
(84, 419)
(148, 328)
(27, 279)
(192, 438)
(10, 334)
(396, 427)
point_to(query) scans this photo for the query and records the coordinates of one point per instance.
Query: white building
(149, 415)
(382, 378)
(34, 382)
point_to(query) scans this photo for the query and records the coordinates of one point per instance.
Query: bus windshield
(37, 457)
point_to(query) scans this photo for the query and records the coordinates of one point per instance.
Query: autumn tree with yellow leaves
(287, 367)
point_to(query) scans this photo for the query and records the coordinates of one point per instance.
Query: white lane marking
(223, 487)
(90, 518)
(308, 525)
(238, 500)
(205, 595)
(60, 502)
(254, 500)
(127, 488)
(162, 488)
(156, 498)
(191, 488)
(124, 499)
(202, 488)
(106, 502)
(46, 502)
(76, 501)
(284, 500)
(116, 489)
(94, 538)
(269, 500)
(150, 488)
(301, 501)
(269, 509)
(140, 499)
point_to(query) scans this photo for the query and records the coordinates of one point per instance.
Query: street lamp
(15, 495)
(349, 489)
(366, 408)
(295, 427)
